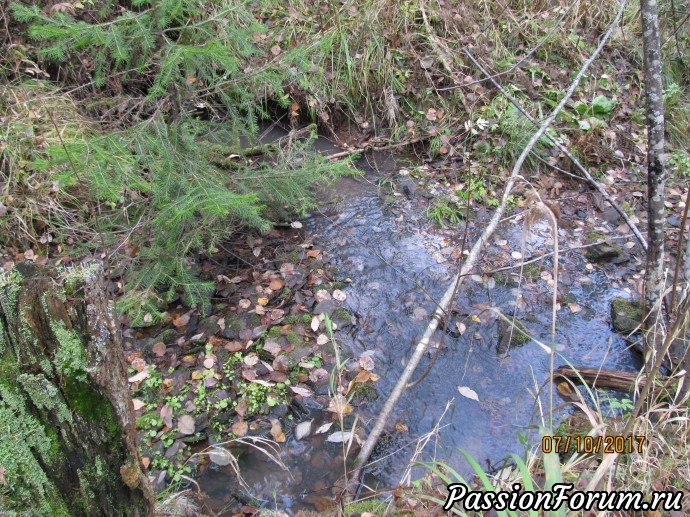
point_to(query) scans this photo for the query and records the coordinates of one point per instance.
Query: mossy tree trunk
(67, 438)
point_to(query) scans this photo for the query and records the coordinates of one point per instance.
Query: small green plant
(442, 213)
(679, 162)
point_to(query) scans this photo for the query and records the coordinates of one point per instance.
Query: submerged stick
(443, 305)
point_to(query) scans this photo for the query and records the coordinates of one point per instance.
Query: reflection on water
(389, 253)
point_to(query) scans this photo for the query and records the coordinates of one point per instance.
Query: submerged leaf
(468, 392)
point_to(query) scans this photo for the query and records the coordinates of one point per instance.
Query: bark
(656, 180)
(68, 443)
(597, 378)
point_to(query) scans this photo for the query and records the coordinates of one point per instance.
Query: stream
(398, 264)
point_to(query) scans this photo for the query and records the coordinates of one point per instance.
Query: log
(68, 444)
(599, 378)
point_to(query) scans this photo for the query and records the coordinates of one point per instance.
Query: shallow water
(392, 256)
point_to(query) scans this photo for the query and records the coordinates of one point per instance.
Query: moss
(505, 280)
(10, 285)
(70, 357)
(45, 395)
(76, 277)
(343, 315)
(291, 319)
(294, 338)
(511, 335)
(167, 336)
(363, 392)
(626, 315)
(595, 236)
(568, 298)
(274, 332)
(25, 447)
(531, 271)
(91, 405)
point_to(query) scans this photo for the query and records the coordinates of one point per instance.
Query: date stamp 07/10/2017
(593, 444)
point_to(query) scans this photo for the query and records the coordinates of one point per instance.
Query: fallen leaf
(239, 428)
(220, 456)
(275, 50)
(324, 428)
(315, 323)
(181, 320)
(244, 304)
(251, 359)
(461, 327)
(186, 424)
(233, 346)
(468, 392)
(166, 413)
(339, 295)
(144, 374)
(305, 392)
(139, 364)
(318, 375)
(296, 224)
(322, 339)
(276, 284)
(277, 431)
(303, 429)
(313, 253)
(159, 349)
(340, 437)
(339, 405)
(209, 362)
(145, 462)
(574, 308)
(138, 404)
(263, 383)
(366, 362)
(262, 301)
(272, 347)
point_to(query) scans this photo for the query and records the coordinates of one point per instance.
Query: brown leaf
(241, 408)
(339, 405)
(313, 254)
(138, 364)
(159, 349)
(186, 424)
(318, 375)
(166, 414)
(272, 347)
(233, 346)
(277, 431)
(248, 375)
(275, 50)
(276, 284)
(240, 428)
(304, 392)
(181, 320)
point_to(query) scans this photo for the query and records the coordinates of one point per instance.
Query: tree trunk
(656, 180)
(68, 444)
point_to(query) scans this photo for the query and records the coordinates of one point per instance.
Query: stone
(626, 315)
